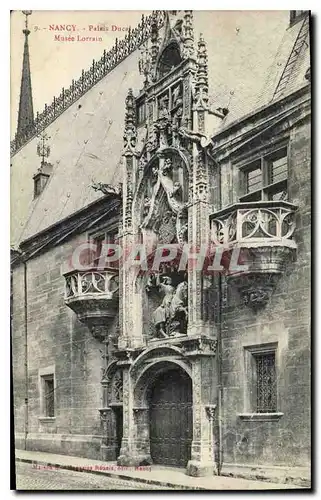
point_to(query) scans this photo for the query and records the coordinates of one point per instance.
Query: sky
(55, 63)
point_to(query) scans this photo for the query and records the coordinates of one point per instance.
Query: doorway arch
(170, 417)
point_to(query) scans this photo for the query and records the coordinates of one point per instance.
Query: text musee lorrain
(81, 38)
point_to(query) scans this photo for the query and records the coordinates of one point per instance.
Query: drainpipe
(23, 259)
(219, 459)
(26, 413)
(219, 381)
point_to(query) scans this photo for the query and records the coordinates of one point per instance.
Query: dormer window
(170, 58)
(40, 181)
(37, 187)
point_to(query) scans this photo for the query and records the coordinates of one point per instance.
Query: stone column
(135, 446)
(202, 461)
(130, 328)
(127, 451)
(126, 293)
(108, 427)
(142, 441)
(198, 237)
(199, 207)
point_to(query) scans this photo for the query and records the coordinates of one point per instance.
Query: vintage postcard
(160, 249)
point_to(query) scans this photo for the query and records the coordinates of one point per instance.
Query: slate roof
(247, 52)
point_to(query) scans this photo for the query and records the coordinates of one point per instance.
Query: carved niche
(164, 200)
(163, 213)
(163, 156)
(115, 388)
(170, 317)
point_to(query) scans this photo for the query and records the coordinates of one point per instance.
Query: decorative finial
(43, 149)
(201, 83)
(154, 38)
(188, 33)
(26, 13)
(130, 133)
(130, 109)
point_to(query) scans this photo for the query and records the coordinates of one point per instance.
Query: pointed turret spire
(25, 115)
(154, 38)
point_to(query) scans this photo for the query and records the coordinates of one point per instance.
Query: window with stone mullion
(265, 178)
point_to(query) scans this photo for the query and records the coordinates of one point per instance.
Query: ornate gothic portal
(167, 344)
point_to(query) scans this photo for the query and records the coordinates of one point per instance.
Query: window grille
(117, 393)
(266, 400)
(49, 396)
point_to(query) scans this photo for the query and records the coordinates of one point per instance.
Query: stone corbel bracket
(200, 347)
(140, 409)
(126, 357)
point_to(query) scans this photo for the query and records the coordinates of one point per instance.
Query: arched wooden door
(171, 419)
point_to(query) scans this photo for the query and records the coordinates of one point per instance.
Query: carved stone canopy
(161, 55)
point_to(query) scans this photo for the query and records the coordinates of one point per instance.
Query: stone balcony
(263, 233)
(93, 295)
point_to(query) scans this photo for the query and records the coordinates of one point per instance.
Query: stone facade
(285, 320)
(58, 343)
(109, 336)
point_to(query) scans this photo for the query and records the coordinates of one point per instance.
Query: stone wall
(285, 320)
(57, 341)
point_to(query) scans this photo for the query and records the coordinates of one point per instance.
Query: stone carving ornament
(167, 228)
(171, 316)
(164, 210)
(256, 289)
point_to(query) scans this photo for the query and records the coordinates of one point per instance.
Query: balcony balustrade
(263, 233)
(255, 223)
(93, 296)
